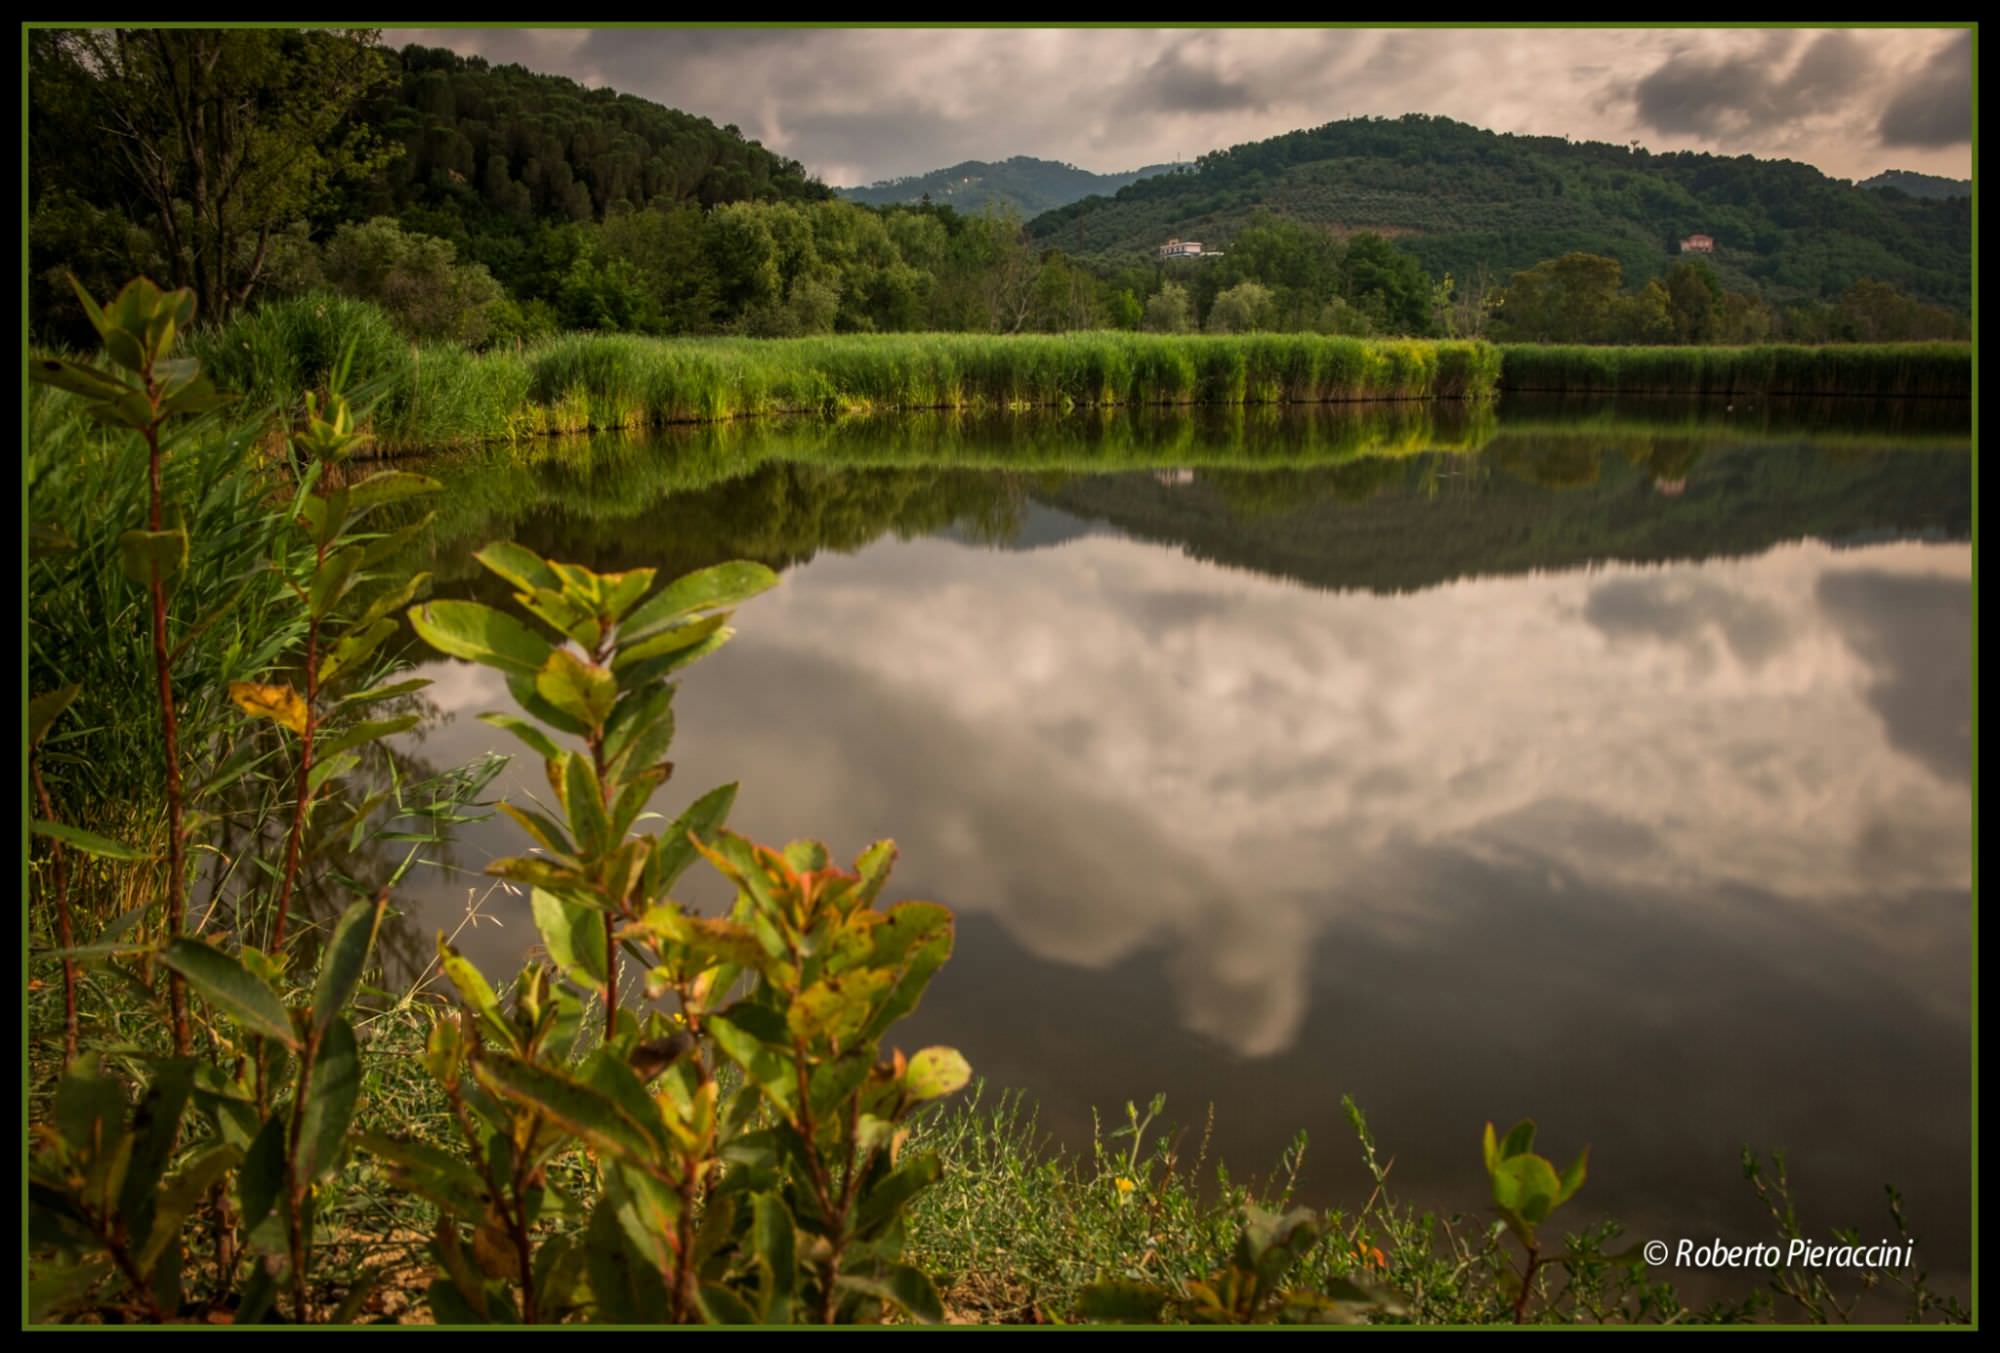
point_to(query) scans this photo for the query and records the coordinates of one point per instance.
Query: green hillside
(1022, 183)
(484, 141)
(1460, 198)
(1919, 185)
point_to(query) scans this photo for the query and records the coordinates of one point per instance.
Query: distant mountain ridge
(1028, 185)
(1919, 185)
(1462, 199)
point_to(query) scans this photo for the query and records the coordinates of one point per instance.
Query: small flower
(1124, 1185)
(1369, 1254)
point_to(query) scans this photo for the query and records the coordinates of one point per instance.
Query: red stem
(162, 667)
(298, 831)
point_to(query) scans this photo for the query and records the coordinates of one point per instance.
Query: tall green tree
(226, 135)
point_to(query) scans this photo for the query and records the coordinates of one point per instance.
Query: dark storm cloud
(1753, 91)
(1177, 84)
(1935, 107)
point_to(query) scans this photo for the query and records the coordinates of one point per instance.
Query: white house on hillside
(1181, 249)
(1698, 244)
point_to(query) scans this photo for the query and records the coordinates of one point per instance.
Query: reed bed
(1869, 370)
(439, 395)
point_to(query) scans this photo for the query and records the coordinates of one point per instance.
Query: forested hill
(1918, 185)
(1026, 185)
(1460, 198)
(502, 141)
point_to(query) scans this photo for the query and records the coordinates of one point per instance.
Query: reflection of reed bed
(1909, 424)
(621, 475)
(1866, 370)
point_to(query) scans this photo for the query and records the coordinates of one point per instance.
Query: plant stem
(296, 1186)
(299, 810)
(610, 921)
(1527, 1285)
(162, 668)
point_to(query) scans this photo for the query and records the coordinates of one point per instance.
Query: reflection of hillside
(1528, 506)
(1361, 497)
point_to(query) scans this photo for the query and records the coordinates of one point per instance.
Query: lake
(1602, 763)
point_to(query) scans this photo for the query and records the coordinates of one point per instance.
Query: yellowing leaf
(281, 704)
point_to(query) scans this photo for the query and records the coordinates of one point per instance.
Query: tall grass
(438, 395)
(1875, 370)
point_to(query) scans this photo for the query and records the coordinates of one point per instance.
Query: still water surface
(1611, 766)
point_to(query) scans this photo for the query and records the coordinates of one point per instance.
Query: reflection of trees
(780, 515)
(1666, 457)
(1374, 525)
(1565, 463)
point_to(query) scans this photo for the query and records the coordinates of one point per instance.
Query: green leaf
(89, 1110)
(576, 1108)
(88, 842)
(628, 1290)
(574, 936)
(1526, 1185)
(185, 1192)
(583, 798)
(902, 1286)
(392, 544)
(773, 1239)
(882, 1203)
(226, 982)
(641, 674)
(330, 768)
(156, 1128)
(522, 687)
(54, 1288)
(544, 745)
(1121, 1303)
(706, 590)
(437, 1174)
(519, 565)
(260, 1184)
(362, 733)
(466, 629)
(1519, 1139)
(837, 1008)
(386, 486)
(774, 1071)
(670, 640)
(147, 557)
(640, 729)
(77, 378)
(475, 991)
(1572, 1178)
(396, 599)
(720, 1306)
(701, 821)
(331, 579)
(45, 709)
(580, 689)
(336, 1087)
(935, 1072)
(390, 691)
(352, 648)
(346, 955)
(547, 833)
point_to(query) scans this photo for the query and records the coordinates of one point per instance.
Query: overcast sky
(858, 105)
